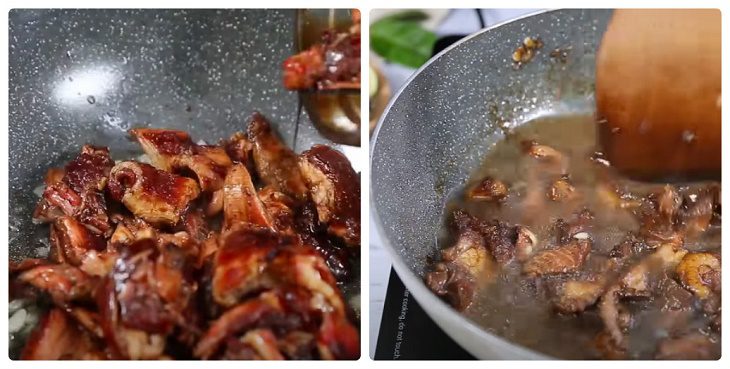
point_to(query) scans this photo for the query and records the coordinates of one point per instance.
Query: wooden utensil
(658, 93)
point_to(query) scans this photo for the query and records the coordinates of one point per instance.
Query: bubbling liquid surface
(517, 307)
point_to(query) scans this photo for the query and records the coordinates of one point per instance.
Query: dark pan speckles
(87, 76)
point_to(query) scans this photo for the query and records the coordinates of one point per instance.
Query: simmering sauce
(521, 307)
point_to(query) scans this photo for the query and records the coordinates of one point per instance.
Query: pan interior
(442, 124)
(87, 76)
(507, 303)
(445, 120)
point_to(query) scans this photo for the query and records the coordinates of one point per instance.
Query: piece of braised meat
(698, 209)
(700, 273)
(266, 310)
(525, 244)
(75, 244)
(659, 216)
(283, 310)
(453, 282)
(276, 164)
(241, 203)
(639, 280)
(613, 198)
(156, 196)
(578, 226)
(129, 231)
(71, 241)
(332, 64)
(57, 337)
(214, 252)
(551, 161)
(574, 295)
(240, 149)
(314, 234)
(123, 342)
(280, 207)
(502, 240)
(252, 258)
(175, 151)
(62, 282)
(335, 189)
(468, 260)
(79, 193)
(691, 346)
(562, 190)
(480, 247)
(630, 246)
(563, 259)
(488, 189)
(469, 250)
(242, 260)
(145, 298)
(153, 287)
(286, 266)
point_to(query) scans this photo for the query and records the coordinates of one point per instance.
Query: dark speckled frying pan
(438, 128)
(87, 76)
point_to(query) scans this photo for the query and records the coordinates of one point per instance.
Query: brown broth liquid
(509, 305)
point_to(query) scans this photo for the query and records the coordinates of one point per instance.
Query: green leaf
(402, 41)
(409, 15)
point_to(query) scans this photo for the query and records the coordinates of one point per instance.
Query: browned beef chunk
(154, 195)
(276, 164)
(562, 190)
(608, 348)
(79, 193)
(579, 226)
(72, 242)
(563, 259)
(659, 215)
(488, 189)
(453, 282)
(314, 234)
(241, 204)
(692, 346)
(575, 296)
(239, 149)
(335, 189)
(334, 63)
(498, 237)
(298, 345)
(700, 273)
(57, 338)
(175, 151)
(698, 209)
(63, 282)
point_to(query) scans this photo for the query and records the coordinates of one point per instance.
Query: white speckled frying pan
(438, 128)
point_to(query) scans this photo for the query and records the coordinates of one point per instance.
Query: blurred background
(401, 41)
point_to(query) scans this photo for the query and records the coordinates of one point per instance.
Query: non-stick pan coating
(440, 125)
